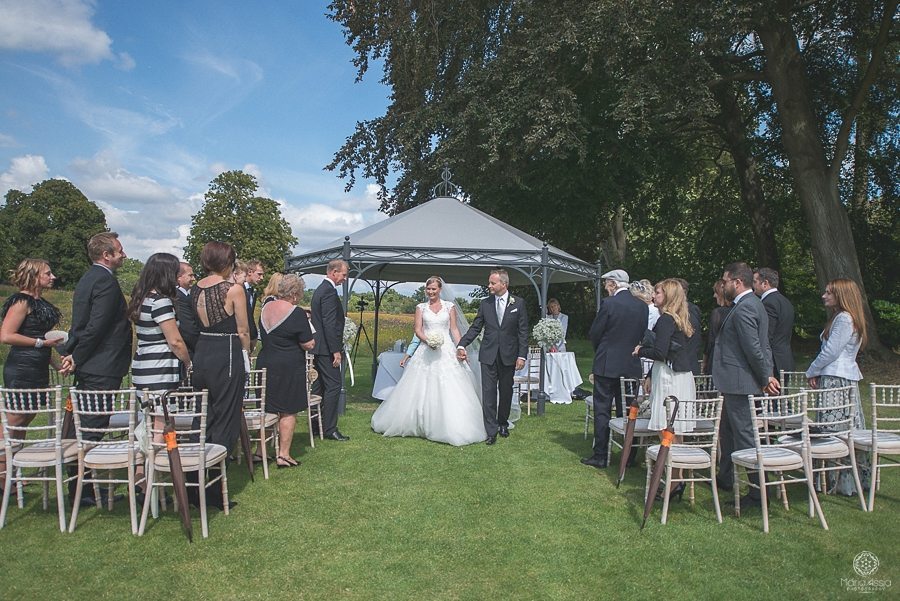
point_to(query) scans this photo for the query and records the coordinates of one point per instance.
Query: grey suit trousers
(736, 432)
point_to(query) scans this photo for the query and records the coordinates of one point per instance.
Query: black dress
(285, 362)
(26, 366)
(716, 319)
(219, 366)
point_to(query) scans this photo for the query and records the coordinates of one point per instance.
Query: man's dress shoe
(595, 462)
(336, 435)
(503, 431)
(491, 439)
(747, 502)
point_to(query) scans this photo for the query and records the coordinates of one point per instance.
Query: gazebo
(447, 236)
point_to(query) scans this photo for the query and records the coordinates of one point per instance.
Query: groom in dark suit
(503, 350)
(328, 322)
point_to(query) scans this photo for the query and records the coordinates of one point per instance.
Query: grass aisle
(406, 518)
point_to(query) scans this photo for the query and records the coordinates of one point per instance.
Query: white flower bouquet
(547, 332)
(350, 329)
(434, 339)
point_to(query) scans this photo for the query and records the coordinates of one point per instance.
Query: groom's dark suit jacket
(327, 319)
(100, 337)
(781, 326)
(509, 340)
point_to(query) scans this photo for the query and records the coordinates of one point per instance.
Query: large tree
(233, 213)
(53, 222)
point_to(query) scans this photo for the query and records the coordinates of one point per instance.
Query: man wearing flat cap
(617, 329)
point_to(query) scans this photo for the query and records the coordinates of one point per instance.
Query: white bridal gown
(435, 398)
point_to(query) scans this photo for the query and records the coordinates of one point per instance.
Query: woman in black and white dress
(160, 349)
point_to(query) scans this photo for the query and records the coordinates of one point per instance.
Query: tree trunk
(833, 248)
(617, 239)
(735, 137)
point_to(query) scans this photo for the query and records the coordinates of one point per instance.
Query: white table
(561, 377)
(389, 372)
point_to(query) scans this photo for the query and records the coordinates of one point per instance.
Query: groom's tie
(501, 309)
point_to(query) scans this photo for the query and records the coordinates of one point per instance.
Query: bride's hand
(460, 354)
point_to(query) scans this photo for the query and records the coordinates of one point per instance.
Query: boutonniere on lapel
(512, 301)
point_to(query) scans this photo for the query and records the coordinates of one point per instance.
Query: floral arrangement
(434, 339)
(350, 329)
(547, 332)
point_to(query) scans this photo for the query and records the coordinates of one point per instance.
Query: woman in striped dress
(159, 344)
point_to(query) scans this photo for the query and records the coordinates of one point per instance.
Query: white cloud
(125, 62)
(59, 27)
(7, 141)
(242, 71)
(23, 173)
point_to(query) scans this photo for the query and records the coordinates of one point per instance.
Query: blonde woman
(271, 291)
(672, 363)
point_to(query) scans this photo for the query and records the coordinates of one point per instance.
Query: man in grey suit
(328, 322)
(618, 327)
(742, 366)
(781, 318)
(503, 350)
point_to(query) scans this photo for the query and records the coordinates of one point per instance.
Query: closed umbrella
(630, 422)
(245, 443)
(668, 435)
(178, 481)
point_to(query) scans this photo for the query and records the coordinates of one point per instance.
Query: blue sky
(142, 104)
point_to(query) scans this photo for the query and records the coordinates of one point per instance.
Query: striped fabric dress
(155, 366)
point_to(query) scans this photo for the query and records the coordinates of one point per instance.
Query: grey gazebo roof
(446, 237)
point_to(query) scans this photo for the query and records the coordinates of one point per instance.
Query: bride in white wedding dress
(436, 398)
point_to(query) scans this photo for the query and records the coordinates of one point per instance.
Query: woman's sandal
(288, 462)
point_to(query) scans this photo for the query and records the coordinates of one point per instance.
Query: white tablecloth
(561, 377)
(389, 372)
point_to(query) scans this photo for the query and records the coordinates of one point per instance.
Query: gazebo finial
(446, 188)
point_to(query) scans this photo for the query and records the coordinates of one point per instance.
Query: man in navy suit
(328, 323)
(781, 318)
(503, 350)
(618, 327)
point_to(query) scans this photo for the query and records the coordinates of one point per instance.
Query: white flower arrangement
(350, 329)
(547, 332)
(434, 339)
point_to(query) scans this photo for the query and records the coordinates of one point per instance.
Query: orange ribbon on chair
(69, 403)
(666, 438)
(633, 412)
(171, 442)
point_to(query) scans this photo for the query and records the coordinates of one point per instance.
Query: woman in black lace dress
(222, 348)
(26, 319)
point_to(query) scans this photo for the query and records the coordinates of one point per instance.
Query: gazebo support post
(545, 275)
(375, 333)
(342, 399)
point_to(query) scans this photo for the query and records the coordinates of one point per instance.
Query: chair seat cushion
(827, 447)
(526, 380)
(190, 457)
(617, 424)
(887, 442)
(43, 454)
(110, 456)
(253, 418)
(120, 420)
(682, 456)
(774, 458)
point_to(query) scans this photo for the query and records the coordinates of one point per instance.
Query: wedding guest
(328, 328)
(643, 290)
(270, 292)
(254, 275)
(161, 351)
(618, 327)
(716, 318)
(286, 336)
(27, 317)
(672, 359)
(835, 366)
(222, 356)
(554, 312)
(781, 318)
(410, 350)
(695, 342)
(187, 325)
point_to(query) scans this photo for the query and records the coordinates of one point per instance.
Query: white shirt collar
(742, 295)
(504, 296)
(183, 290)
(768, 292)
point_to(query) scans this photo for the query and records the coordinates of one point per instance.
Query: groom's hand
(520, 363)
(460, 354)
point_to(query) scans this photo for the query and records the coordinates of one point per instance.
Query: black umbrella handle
(671, 425)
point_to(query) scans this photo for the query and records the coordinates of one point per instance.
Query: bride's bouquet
(547, 332)
(434, 340)
(350, 329)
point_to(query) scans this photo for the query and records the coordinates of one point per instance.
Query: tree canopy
(53, 222)
(668, 138)
(233, 213)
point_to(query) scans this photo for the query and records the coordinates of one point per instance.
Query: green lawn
(379, 518)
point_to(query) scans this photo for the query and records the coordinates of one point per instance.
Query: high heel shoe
(674, 495)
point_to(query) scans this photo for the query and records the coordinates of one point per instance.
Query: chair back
(188, 408)
(830, 411)
(311, 373)
(112, 404)
(255, 391)
(793, 381)
(705, 387)
(37, 402)
(631, 390)
(534, 362)
(57, 379)
(885, 408)
(784, 415)
(691, 411)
